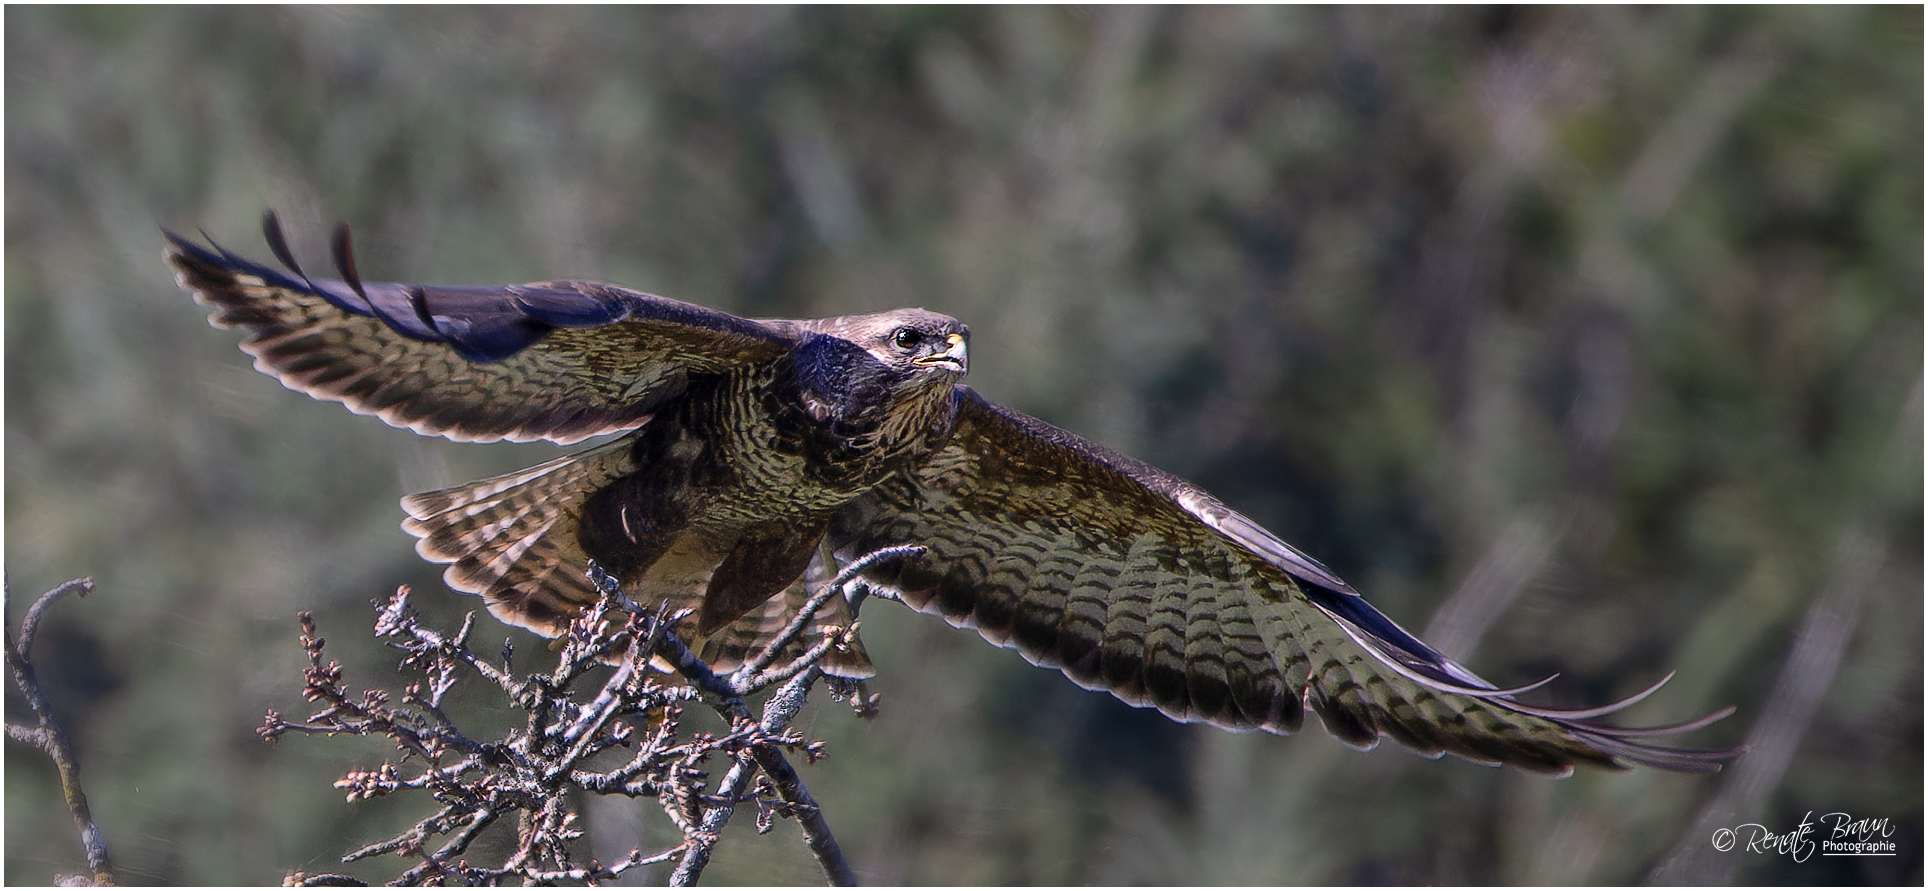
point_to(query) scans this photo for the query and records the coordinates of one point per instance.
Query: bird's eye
(907, 338)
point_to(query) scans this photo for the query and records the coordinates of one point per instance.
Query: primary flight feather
(755, 447)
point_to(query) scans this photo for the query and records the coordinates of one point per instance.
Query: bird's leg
(667, 644)
(795, 627)
(751, 675)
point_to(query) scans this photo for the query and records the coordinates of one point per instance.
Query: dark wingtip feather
(1620, 744)
(278, 243)
(1615, 745)
(206, 262)
(212, 267)
(344, 248)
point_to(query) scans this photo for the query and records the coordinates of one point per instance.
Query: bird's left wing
(561, 361)
(1131, 580)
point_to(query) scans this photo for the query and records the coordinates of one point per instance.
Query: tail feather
(513, 540)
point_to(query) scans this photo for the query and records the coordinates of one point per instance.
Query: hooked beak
(956, 357)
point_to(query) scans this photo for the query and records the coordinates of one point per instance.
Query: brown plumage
(758, 450)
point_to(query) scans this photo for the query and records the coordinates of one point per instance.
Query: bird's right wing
(560, 361)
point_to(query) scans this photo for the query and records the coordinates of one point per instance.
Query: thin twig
(30, 623)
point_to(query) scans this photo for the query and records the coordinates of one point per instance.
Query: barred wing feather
(1132, 581)
(560, 361)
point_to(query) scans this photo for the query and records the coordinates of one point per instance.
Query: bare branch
(30, 624)
(49, 736)
(778, 712)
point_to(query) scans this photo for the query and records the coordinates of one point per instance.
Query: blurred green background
(1580, 339)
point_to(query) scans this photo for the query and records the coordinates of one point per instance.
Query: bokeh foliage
(1592, 334)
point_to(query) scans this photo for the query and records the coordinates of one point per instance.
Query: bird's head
(890, 373)
(915, 345)
(920, 341)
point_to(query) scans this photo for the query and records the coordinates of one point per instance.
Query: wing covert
(1133, 581)
(560, 361)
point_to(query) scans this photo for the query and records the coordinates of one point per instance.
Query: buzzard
(752, 448)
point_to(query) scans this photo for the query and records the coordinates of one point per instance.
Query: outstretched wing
(561, 361)
(1131, 580)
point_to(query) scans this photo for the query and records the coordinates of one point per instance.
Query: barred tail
(512, 538)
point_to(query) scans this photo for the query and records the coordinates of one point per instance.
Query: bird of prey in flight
(751, 448)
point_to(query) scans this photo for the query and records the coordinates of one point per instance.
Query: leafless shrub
(530, 773)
